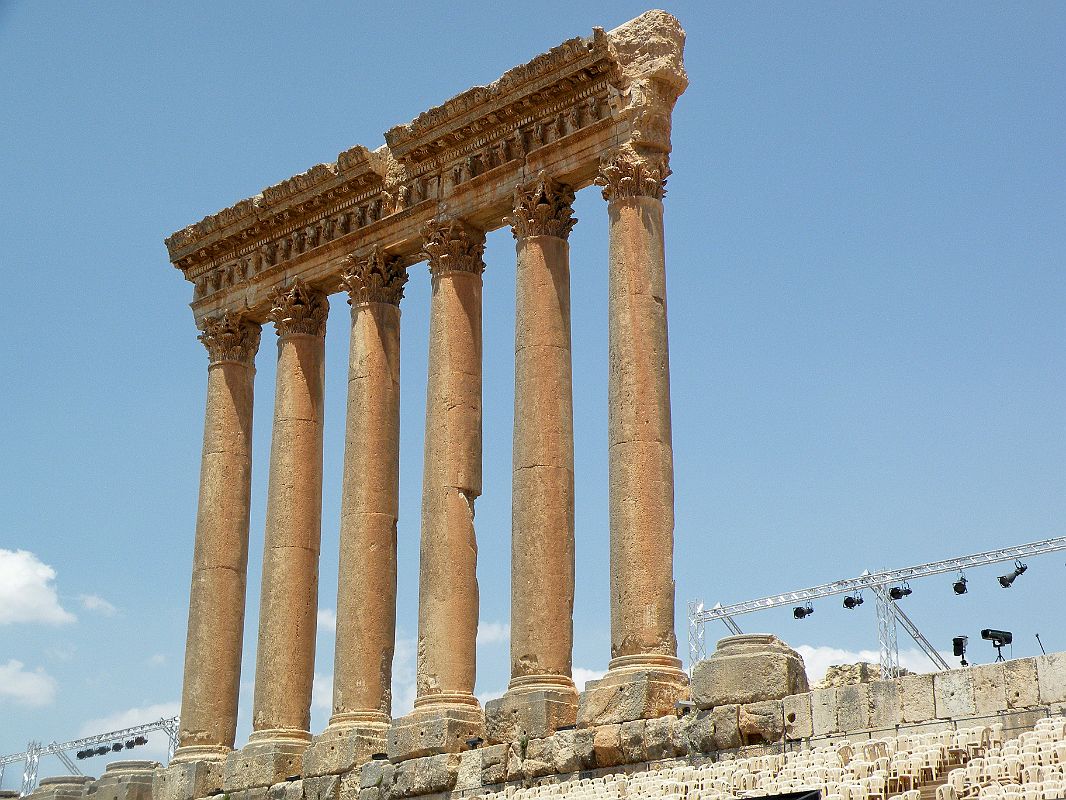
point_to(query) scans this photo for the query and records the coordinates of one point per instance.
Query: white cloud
(158, 743)
(581, 675)
(819, 659)
(403, 677)
(327, 620)
(36, 688)
(493, 632)
(94, 602)
(322, 692)
(484, 697)
(157, 660)
(26, 590)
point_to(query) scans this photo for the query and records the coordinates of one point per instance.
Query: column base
(436, 727)
(349, 741)
(190, 753)
(187, 780)
(534, 706)
(635, 687)
(271, 756)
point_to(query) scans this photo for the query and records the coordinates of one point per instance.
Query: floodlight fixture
(899, 592)
(999, 640)
(958, 647)
(959, 586)
(799, 612)
(1006, 580)
(853, 600)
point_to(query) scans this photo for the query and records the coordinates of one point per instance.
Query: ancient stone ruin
(593, 110)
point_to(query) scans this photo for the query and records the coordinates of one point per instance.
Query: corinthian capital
(298, 309)
(375, 279)
(626, 173)
(231, 337)
(453, 246)
(542, 207)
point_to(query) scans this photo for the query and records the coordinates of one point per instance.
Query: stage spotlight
(899, 592)
(999, 640)
(84, 754)
(130, 744)
(102, 750)
(958, 647)
(116, 747)
(1006, 580)
(141, 740)
(799, 612)
(852, 601)
(959, 586)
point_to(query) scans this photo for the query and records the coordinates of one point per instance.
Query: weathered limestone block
(698, 730)
(725, 720)
(1023, 688)
(584, 747)
(534, 714)
(493, 764)
(514, 761)
(1051, 676)
(342, 749)
(607, 745)
(126, 780)
(262, 764)
(538, 759)
(799, 722)
(663, 739)
(62, 787)
(748, 669)
(562, 751)
(626, 696)
(953, 694)
(182, 781)
(377, 774)
(916, 698)
(631, 736)
(824, 711)
(470, 766)
(433, 732)
(884, 704)
(761, 723)
(853, 707)
(418, 776)
(288, 790)
(989, 688)
(324, 787)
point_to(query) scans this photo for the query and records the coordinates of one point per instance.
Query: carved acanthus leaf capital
(299, 309)
(629, 174)
(542, 207)
(231, 336)
(376, 278)
(453, 246)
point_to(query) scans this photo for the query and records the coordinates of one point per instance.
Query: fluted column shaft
(289, 600)
(366, 596)
(641, 483)
(447, 586)
(542, 516)
(220, 559)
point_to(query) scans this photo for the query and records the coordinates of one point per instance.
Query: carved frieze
(543, 207)
(626, 173)
(453, 246)
(377, 278)
(298, 309)
(230, 336)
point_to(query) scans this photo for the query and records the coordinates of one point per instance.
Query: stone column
(366, 592)
(644, 676)
(220, 558)
(541, 696)
(288, 608)
(446, 712)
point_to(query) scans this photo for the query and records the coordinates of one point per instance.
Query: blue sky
(865, 238)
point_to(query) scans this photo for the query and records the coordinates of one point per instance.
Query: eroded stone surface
(622, 697)
(954, 694)
(1023, 687)
(1051, 677)
(916, 698)
(748, 669)
(799, 722)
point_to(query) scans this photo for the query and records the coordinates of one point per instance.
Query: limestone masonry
(593, 110)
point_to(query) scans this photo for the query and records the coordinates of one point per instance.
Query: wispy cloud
(327, 620)
(493, 632)
(138, 715)
(819, 659)
(581, 675)
(403, 677)
(27, 593)
(157, 660)
(97, 604)
(36, 688)
(322, 691)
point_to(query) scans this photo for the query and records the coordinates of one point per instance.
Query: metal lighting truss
(34, 750)
(888, 613)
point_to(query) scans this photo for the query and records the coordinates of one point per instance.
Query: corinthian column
(220, 558)
(366, 592)
(288, 608)
(644, 663)
(541, 696)
(446, 712)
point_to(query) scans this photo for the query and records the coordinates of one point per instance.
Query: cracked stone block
(262, 764)
(989, 688)
(607, 745)
(853, 707)
(799, 722)
(884, 704)
(953, 694)
(916, 698)
(631, 695)
(1023, 687)
(748, 669)
(761, 723)
(427, 775)
(1051, 677)
(824, 711)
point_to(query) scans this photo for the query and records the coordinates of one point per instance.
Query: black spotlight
(852, 601)
(899, 592)
(1006, 580)
(102, 750)
(999, 640)
(116, 747)
(958, 647)
(130, 744)
(141, 740)
(799, 612)
(959, 586)
(83, 754)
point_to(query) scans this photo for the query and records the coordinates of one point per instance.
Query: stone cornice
(377, 278)
(453, 246)
(231, 336)
(560, 112)
(299, 310)
(543, 207)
